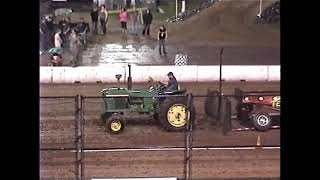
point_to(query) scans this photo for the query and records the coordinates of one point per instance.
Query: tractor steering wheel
(161, 86)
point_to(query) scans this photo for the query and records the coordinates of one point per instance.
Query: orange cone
(258, 142)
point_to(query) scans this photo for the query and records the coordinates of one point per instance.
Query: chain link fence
(75, 142)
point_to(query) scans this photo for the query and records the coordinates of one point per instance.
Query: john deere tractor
(169, 108)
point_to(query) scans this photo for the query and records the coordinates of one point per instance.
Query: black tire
(243, 111)
(156, 116)
(165, 107)
(115, 125)
(262, 121)
(211, 104)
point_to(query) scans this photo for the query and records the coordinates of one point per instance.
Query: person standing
(83, 28)
(157, 5)
(75, 48)
(138, 3)
(128, 4)
(65, 34)
(162, 37)
(135, 19)
(103, 17)
(123, 20)
(94, 19)
(49, 31)
(147, 20)
(44, 36)
(133, 4)
(57, 39)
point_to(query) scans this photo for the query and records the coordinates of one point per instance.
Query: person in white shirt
(57, 39)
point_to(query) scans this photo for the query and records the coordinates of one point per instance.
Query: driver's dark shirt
(172, 84)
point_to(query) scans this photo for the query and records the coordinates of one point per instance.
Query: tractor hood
(124, 92)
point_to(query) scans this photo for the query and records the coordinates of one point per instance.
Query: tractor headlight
(246, 98)
(276, 98)
(260, 98)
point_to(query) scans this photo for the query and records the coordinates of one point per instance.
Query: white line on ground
(248, 129)
(177, 149)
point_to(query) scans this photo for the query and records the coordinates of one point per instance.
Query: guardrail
(190, 73)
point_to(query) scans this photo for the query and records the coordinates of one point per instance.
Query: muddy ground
(57, 122)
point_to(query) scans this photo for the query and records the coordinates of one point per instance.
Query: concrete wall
(192, 73)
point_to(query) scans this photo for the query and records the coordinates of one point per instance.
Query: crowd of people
(65, 36)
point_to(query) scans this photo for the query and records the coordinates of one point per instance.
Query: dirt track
(206, 164)
(57, 132)
(227, 24)
(195, 88)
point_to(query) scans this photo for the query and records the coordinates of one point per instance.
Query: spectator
(66, 31)
(47, 27)
(42, 41)
(103, 17)
(157, 5)
(44, 36)
(50, 24)
(138, 3)
(83, 28)
(57, 39)
(94, 18)
(135, 19)
(133, 4)
(44, 27)
(123, 20)
(64, 25)
(75, 48)
(128, 4)
(56, 59)
(147, 20)
(119, 4)
(162, 37)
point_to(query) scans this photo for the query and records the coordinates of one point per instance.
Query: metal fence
(71, 127)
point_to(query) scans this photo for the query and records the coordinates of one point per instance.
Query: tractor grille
(120, 103)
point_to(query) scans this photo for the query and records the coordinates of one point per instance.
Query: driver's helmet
(150, 79)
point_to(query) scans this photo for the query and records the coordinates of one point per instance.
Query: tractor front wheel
(174, 114)
(115, 125)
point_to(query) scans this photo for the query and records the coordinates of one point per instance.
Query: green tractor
(122, 104)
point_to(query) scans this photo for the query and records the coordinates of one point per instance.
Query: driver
(150, 81)
(172, 82)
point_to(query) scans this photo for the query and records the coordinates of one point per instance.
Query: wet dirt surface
(230, 164)
(57, 122)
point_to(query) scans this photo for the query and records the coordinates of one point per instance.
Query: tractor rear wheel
(174, 114)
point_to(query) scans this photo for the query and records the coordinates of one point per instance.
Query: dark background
(298, 86)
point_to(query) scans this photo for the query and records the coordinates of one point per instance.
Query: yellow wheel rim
(177, 115)
(115, 125)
